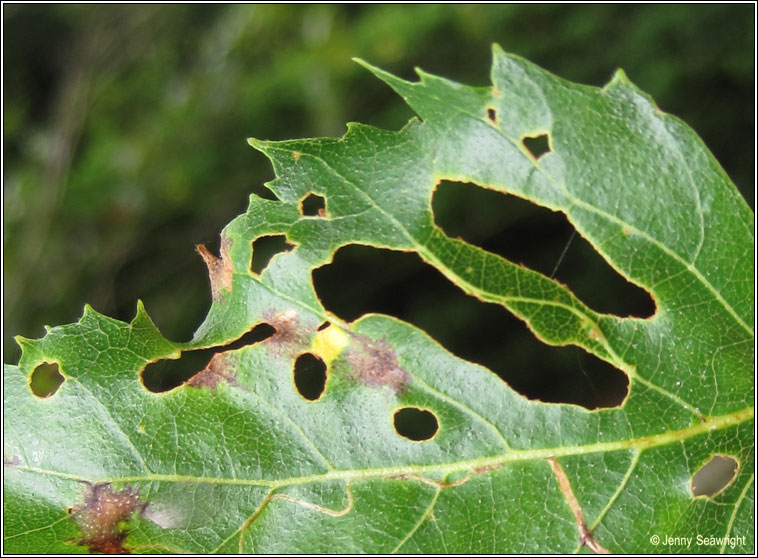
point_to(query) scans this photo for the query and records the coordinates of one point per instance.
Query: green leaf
(237, 460)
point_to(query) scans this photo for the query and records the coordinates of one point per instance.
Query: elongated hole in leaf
(714, 476)
(323, 326)
(537, 146)
(265, 248)
(313, 206)
(542, 240)
(167, 374)
(415, 424)
(310, 376)
(363, 279)
(46, 379)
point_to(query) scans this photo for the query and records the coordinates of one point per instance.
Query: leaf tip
(88, 311)
(21, 341)
(141, 317)
(623, 85)
(388, 78)
(425, 77)
(619, 76)
(378, 72)
(255, 143)
(621, 80)
(140, 307)
(370, 67)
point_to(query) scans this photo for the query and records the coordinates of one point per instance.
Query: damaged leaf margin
(242, 452)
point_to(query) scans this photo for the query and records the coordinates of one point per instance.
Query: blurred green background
(124, 145)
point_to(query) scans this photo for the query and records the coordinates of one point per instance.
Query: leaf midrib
(482, 464)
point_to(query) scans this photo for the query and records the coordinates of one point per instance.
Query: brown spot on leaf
(290, 335)
(374, 364)
(14, 461)
(220, 369)
(102, 515)
(220, 270)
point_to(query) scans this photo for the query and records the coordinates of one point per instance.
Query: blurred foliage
(124, 127)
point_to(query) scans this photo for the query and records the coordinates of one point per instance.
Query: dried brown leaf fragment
(220, 270)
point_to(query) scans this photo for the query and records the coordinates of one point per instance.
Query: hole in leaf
(265, 248)
(537, 145)
(492, 115)
(46, 379)
(310, 376)
(323, 326)
(363, 279)
(166, 374)
(542, 240)
(415, 424)
(714, 476)
(313, 206)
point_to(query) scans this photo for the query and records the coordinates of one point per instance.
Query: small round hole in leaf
(415, 424)
(313, 206)
(714, 476)
(491, 114)
(310, 376)
(537, 146)
(46, 379)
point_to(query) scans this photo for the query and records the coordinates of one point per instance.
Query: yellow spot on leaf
(328, 343)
